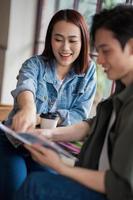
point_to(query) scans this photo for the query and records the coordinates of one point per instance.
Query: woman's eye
(72, 41)
(58, 40)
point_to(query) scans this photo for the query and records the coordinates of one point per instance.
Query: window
(87, 8)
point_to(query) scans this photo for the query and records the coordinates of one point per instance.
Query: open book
(29, 138)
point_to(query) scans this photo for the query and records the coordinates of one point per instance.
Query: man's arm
(69, 133)
(90, 178)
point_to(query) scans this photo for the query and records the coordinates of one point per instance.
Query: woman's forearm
(26, 101)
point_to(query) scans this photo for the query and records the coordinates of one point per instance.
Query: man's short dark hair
(118, 20)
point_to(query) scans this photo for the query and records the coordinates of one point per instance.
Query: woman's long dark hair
(81, 63)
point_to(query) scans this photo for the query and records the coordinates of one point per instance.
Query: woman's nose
(66, 45)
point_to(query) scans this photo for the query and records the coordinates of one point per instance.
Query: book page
(29, 138)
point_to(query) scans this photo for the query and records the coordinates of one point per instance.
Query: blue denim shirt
(74, 98)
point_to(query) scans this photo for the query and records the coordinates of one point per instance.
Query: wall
(19, 40)
(4, 17)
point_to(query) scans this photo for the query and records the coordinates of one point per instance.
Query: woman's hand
(24, 120)
(45, 156)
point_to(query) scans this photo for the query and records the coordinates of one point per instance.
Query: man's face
(117, 62)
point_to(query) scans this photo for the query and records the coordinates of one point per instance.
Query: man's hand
(43, 133)
(46, 157)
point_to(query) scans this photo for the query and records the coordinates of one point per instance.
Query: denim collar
(50, 73)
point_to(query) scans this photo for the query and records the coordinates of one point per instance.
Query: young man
(105, 167)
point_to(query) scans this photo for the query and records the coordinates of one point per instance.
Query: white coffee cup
(49, 120)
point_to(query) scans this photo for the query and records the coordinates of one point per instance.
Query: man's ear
(130, 42)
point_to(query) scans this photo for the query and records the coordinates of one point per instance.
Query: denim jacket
(73, 100)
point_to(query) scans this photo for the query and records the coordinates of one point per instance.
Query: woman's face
(66, 43)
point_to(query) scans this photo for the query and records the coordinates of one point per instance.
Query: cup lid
(49, 115)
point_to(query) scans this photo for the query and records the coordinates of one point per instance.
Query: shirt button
(45, 97)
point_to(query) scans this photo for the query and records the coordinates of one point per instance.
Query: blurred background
(23, 25)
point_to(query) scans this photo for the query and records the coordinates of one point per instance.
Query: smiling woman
(63, 76)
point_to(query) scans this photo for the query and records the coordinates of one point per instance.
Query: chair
(4, 111)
